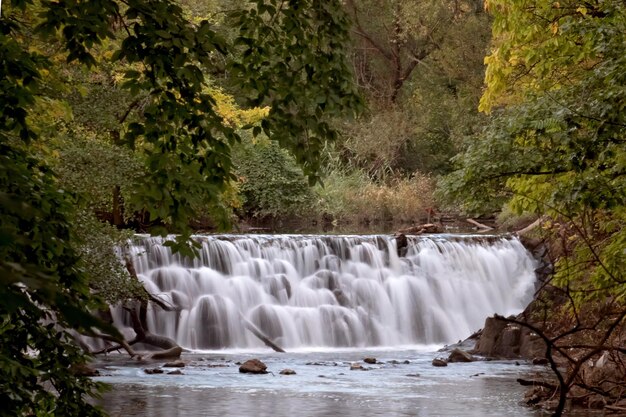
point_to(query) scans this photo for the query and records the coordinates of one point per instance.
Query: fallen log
(423, 228)
(531, 226)
(536, 383)
(172, 353)
(479, 225)
(255, 331)
(615, 409)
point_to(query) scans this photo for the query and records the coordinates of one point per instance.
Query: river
(404, 384)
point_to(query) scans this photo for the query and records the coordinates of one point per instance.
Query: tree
(420, 68)
(555, 147)
(183, 142)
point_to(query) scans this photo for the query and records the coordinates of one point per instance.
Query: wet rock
(540, 361)
(175, 364)
(413, 375)
(356, 367)
(287, 372)
(172, 353)
(371, 361)
(253, 366)
(176, 372)
(153, 371)
(341, 297)
(503, 340)
(439, 362)
(322, 363)
(84, 370)
(406, 362)
(458, 355)
(401, 244)
(216, 365)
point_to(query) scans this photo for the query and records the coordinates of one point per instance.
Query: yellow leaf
(582, 10)
(555, 27)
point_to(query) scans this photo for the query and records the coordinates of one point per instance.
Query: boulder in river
(153, 371)
(458, 355)
(439, 362)
(503, 340)
(253, 366)
(371, 361)
(356, 367)
(287, 372)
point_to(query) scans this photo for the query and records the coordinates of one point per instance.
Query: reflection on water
(323, 386)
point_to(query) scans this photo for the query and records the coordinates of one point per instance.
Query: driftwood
(122, 344)
(535, 383)
(615, 409)
(531, 226)
(138, 313)
(172, 353)
(479, 225)
(422, 228)
(255, 331)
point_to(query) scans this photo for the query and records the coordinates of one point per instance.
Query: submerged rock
(153, 371)
(287, 372)
(253, 366)
(176, 372)
(176, 364)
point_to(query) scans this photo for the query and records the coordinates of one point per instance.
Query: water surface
(323, 385)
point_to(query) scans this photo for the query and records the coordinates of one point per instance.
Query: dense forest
(166, 116)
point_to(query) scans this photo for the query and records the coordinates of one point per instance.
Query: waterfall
(331, 291)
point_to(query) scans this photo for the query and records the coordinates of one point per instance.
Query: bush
(355, 198)
(270, 182)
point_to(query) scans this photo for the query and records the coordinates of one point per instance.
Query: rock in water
(176, 364)
(153, 371)
(253, 366)
(458, 355)
(370, 360)
(176, 372)
(439, 362)
(287, 372)
(356, 367)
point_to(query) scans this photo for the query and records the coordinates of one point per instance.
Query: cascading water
(331, 291)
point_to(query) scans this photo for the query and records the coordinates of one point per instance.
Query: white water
(339, 291)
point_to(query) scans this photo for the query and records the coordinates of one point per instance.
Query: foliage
(355, 198)
(422, 80)
(293, 60)
(42, 284)
(93, 167)
(101, 248)
(270, 182)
